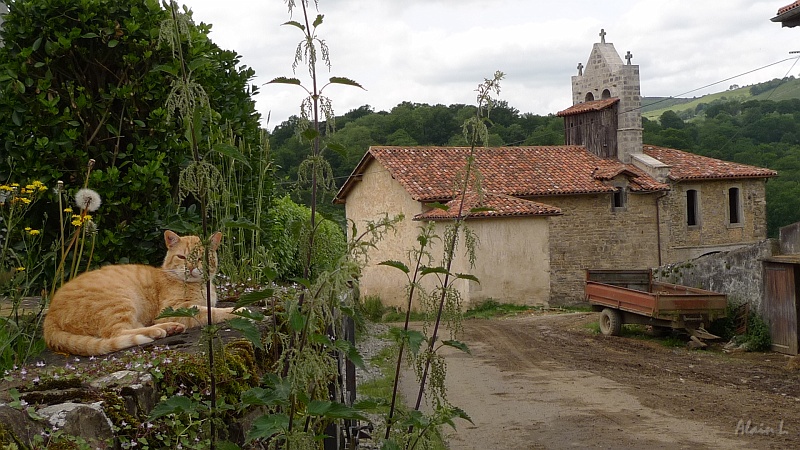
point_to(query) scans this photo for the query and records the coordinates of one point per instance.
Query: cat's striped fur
(115, 307)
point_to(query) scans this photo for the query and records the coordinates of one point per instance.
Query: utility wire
(795, 58)
(547, 133)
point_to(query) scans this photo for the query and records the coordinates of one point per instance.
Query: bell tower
(606, 77)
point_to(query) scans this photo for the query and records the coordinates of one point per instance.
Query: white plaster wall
(512, 264)
(513, 255)
(375, 195)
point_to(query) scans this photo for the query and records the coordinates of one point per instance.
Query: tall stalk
(188, 98)
(314, 169)
(476, 129)
(315, 148)
(413, 285)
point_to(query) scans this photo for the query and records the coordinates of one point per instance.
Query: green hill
(775, 90)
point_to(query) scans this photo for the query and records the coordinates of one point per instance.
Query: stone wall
(737, 273)
(590, 236)
(790, 239)
(681, 242)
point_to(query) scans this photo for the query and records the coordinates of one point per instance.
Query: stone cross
(629, 57)
(602, 35)
(580, 69)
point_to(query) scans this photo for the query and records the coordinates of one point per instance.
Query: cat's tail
(77, 344)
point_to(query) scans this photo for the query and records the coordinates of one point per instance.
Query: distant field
(653, 107)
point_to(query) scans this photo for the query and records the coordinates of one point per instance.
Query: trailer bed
(639, 299)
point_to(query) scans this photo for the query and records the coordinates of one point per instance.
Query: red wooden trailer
(631, 296)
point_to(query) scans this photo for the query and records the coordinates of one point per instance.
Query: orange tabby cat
(115, 307)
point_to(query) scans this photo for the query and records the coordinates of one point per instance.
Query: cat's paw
(171, 328)
(222, 314)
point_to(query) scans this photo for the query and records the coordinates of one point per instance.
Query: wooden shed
(780, 304)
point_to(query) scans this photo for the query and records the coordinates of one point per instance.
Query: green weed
(491, 308)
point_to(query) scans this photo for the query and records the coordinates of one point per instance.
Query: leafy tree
(671, 120)
(290, 236)
(85, 79)
(401, 137)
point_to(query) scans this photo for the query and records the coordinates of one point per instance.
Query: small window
(606, 94)
(692, 216)
(734, 206)
(618, 199)
(589, 96)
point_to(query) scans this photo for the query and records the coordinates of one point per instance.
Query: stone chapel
(602, 200)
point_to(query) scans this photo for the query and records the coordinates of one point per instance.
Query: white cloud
(437, 51)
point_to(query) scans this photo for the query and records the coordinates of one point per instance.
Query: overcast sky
(438, 51)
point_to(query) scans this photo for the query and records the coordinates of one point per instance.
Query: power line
(720, 81)
(547, 133)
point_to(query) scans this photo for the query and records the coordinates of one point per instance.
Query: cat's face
(185, 256)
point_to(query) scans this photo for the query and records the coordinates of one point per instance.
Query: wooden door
(780, 306)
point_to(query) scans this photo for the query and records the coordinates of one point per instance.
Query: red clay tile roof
(611, 171)
(688, 166)
(788, 8)
(499, 205)
(427, 173)
(594, 105)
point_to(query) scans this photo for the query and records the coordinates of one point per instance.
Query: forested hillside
(757, 132)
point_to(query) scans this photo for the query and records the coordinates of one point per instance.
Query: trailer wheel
(610, 322)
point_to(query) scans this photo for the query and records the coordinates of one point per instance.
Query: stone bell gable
(606, 77)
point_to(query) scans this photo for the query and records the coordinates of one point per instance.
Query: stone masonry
(681, 242)
(606, 76)
(590, 235)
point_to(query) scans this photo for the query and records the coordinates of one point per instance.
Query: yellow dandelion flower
(34, 232)
(20, 269)
(67, 210)
(22, 200)
(5, 187)
(28, 228)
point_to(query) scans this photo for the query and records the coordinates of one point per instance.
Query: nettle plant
(442, 304)
(304, 343)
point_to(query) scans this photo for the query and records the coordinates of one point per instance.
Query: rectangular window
(734, 206)
(618, 200)
(692, 216)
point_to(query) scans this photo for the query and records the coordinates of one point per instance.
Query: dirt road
(549, 382)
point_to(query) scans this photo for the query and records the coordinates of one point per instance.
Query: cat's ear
(216, 238)
(171, 238)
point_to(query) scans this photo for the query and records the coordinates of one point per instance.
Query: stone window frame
(619, 198)
(739, 205)
(697, 210)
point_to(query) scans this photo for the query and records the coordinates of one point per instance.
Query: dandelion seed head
(88, 199)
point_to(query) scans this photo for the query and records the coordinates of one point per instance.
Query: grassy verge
(380, 389)
(373, 309)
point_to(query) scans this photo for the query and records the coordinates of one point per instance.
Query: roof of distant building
(428, 173)
(688, 166)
